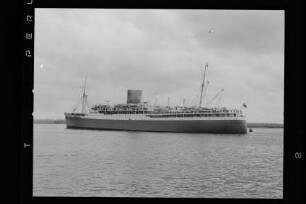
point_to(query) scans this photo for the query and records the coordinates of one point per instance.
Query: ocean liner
(136, 115)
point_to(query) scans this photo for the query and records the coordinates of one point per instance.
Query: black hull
(234, 126)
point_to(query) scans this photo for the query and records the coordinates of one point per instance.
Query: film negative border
(293, 156)
(27, 101)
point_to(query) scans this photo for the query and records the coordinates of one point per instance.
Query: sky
(163, 53)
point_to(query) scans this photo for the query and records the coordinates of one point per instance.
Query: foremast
(83, 101)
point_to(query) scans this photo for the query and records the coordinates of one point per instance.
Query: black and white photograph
(158, 103)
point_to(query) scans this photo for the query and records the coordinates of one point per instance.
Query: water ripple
(127, 164)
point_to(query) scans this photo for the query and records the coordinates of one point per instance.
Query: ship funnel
(134, 96)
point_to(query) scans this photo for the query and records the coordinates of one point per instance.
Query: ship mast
(84, 98)
(203, 84)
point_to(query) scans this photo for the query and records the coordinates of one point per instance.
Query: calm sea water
(144, 164)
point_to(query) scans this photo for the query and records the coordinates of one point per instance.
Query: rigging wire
(77, 105)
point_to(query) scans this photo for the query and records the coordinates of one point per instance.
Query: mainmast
(203, 84)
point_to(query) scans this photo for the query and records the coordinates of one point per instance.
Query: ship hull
(221, 126)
